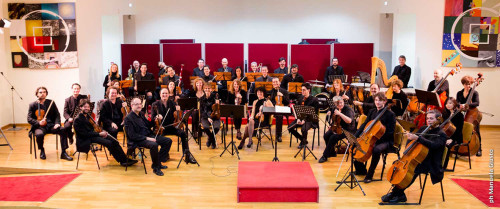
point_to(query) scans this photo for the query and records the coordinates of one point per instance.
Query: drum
(323, 101)
(316, 89)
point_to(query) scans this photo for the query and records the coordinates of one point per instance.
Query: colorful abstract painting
(43, 36)
(470, 34)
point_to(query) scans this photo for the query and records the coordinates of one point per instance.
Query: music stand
(278, 111)
(233, 111)
(145, 86)
(428, 97)
(306, 113)
(222, 76)
(184, 119)
(252, 76)
(277, 75)
(343, 78)
(189, 104)
(354, 181)
(295, 87)
(266, 84)
(364, 77)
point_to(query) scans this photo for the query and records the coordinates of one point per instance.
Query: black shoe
(279, 139)
(190, 159)
(398, 198)
(42, 154)
(250, 143)
(158, 171)
(161, 166)
(367, 180)
(322, 159)
(240, 146)
(387, 197)
(238, 135)
(214, 144)
(448, 170)
(208, 143)
(129, 163)
(479, 153)
(65, 156)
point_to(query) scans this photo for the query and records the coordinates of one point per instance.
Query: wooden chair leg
(78, 160)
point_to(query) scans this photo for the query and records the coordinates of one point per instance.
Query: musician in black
(144, 75)
(237, 96)
(239, 74)
(294, 76)
(403, 71)
(438, 76)
(369, 102)
(171, 77)
(388, 119)
(334, 69)
(282, 69)
(211, 125)
(139, 133)
(462, 95)
(159, 110)
(162, 69)
(281, 92)
(339, 90)
(86, 135)
(254, 67)
(265, 76)
(307, 100)
(198, 71)
(50, 122)
(347, 123)
(256, 119)
(398, 94)
(225, 68)
(206, 74)
(70, 107)
(452, 107)
(432, 162)
(172, 91)
(196, 92)
(111, 115)
(111, 76)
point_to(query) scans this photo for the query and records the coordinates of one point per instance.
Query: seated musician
(237, 96)
(172, 77)
(135, 68)
(196, 92)
(139, 133)
(206, 74)
(254, 67)
(254, 120)
(198, 71)
(338, 90)
(462, 95)
(162, 69)
(369, 102)
(86, 135)
(45, 118)
(239, 74)
(265, 77)
(159, 110)
(70, 107)
(116, 84)
(438, 76)
(307, 100)
(432, 162)
(282, 69)
(398, 94)
(285, 101)
(173, 94)
(111, 115)
(458, 121)
(294, 76)
(144, 75)
(388, 119)
(111, 76)
(211, 125)
(402, 71)
(347, 123)
(225, 68)
(334, 69)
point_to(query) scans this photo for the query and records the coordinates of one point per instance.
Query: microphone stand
(14, 128)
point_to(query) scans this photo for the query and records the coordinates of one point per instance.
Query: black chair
(314, 136)
(467, 132)
(93, 149)
(32, 137)
(131, 152)
(260, 131)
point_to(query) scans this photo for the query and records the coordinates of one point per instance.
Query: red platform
(276, 182)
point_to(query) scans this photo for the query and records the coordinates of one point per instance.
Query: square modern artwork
(43, 36)
(470, 33)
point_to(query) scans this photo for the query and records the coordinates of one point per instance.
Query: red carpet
(276, 182)
(480, 190)
(33, 188)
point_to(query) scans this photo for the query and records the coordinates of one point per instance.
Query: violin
(335, 125)
(158, 123)
(97, 128)
(278, 98)
(178, 117)
(41, 114)
(215, 115)
(125, 109)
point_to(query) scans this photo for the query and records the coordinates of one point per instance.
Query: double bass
(473, 116)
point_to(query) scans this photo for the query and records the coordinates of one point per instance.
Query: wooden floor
(213, 184)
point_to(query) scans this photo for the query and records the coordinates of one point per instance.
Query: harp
(379, 76)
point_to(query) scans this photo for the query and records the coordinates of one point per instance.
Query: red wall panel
(187, 54)
(354, 57)
(267, 54)
(214, 52)
(313, 59)
(144, 53)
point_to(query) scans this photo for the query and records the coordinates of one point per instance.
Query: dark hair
(307, 85)
(109, 89)
(295, 66)
(201, 60)
(380, 96)
(76, 84)
(41, 87)
(435, 112)
(453, 100)
(242, 71)
(206, 66)
(145, 64)
(282, 59)
(261, 89)
(83, 102)
(402, 56)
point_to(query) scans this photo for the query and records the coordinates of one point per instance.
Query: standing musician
(398, 94)
(139, 133)
(144, 75)
(294, 76)
(307, 100)
(334, 69)
(438, 75)
(282, 69)
(198, 71)
(432, 162)
(211, 125)
(239, 74)
(338, 90)
(86, 135)
(70, 107)
(237, 96)
(111, 76)
(385, 142)
(403, 71)
(44, 117)
(462, 100)
(111, 115)
(196, 92)
(206, 74)
(254, 67)
(458, 121)
(369, 102)
(276, 92)
(346, 122)
(159, 111)
(256, 116)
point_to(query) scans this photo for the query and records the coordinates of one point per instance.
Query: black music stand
(308, 114)
(428, 97)
(233, 111)
(184, 119)
(350, 172)
(145, 86)
(188, 104)
(364, 77)
(278, 111)
(343, 78)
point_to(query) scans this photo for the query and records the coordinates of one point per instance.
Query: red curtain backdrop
(214, 52)
(187, 54)
(313, 59)
(176, 41)
(354, 57)
(144, 53)
(267, 54)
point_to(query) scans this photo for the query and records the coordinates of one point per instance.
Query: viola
(125, 109)
(335, 125)
(215, 115)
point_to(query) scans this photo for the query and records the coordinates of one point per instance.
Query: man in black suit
(285, 100)
(70, 107)
(198, 71)
(403, 71)
(307, 100)
(283, 69)
(334, 69)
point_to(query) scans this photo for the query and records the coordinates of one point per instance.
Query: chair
(93, 149)
(32, 137)
(200, 132)
(260, 132)
(398, 140)
(131, 152)
(314, 136)
(467, 135)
